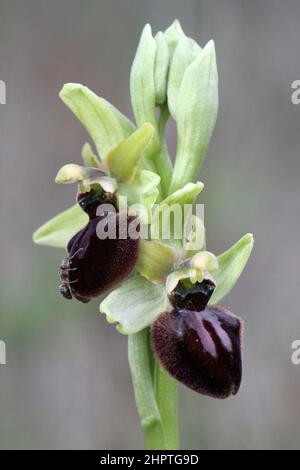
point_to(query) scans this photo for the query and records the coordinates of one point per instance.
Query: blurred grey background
(66, 383)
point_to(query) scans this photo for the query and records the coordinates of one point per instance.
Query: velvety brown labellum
(201, 349)
(95, 265)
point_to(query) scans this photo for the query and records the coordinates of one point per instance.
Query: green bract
(231, 265)
(135, 304)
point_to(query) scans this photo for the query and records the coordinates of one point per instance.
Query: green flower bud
(142, 84)
(196, 113)
(185, 53)
(161, 67)
(173, 34)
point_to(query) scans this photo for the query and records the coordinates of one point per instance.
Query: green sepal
(105, 124)
(231, 264)
(60, 229)
(123, 160)
(135, 304)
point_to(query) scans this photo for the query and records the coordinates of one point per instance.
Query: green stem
(157, 404)
(140, 367)
(166, 391)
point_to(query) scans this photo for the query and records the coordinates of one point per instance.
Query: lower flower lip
(202, 350)
(97, 265)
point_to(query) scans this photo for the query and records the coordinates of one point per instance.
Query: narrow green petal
(105, 124)
(58, 231)
(231, 266)
(89, 158)
(135, 304)
(123, 160)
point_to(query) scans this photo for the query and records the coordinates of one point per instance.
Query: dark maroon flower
(199, 345)
(94, 265)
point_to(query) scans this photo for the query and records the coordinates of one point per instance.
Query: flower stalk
(156, 395)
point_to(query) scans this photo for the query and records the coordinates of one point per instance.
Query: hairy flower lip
(199, 345)
(95, 265)
(202, 349)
